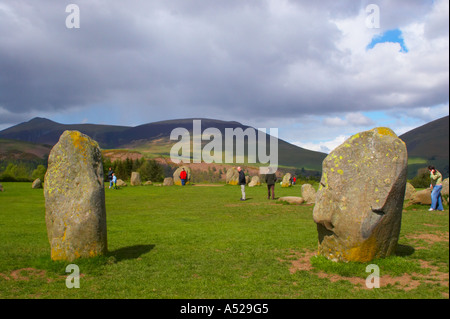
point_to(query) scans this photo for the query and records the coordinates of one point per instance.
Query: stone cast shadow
(130, 252)
(404, 250)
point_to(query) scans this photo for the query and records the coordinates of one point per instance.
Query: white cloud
(350, 119)
(323, 146)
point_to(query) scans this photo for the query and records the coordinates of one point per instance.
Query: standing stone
(135, 179)
(176, 175)
(121, 183)
(232, 176)
(168, 181)
(74, 193)
(422, 197)
(359, 203)
(286, 182)
(444, 191)
(409, 192)
(36, 184)
(255, 181)
(308, 193)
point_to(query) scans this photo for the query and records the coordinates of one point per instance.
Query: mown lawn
(202, 242)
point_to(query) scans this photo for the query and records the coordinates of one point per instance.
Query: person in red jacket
(183, 177)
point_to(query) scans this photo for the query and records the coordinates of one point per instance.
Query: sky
(319, 71)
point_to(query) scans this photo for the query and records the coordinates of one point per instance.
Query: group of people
(270, 180)
(112, 178)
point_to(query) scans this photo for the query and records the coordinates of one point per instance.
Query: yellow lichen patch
(341, 172)
(385, 131)
(78, 139)
(364, 252)
(57, 253)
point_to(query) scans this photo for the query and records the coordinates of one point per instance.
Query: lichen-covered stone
(286, 182)
(359, 203)
(74, 193)
(232, 176)
(255, 181)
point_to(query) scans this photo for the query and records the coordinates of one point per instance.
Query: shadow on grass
(130, 252)
(404, 250)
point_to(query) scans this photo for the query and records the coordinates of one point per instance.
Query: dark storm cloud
(263, 58)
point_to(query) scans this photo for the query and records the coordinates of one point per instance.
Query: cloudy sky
(319, 71)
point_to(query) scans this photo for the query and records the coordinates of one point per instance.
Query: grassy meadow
(202, 242)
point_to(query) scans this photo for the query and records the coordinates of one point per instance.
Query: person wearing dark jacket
(110, 177)
(242, 182)
(271, 179)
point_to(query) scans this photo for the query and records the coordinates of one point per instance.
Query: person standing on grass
(271, 179)
(436, 187)
(242, 182)
(183, 177)
(110, 176)
(114, 181)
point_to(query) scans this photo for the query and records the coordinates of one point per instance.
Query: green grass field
(202, 242)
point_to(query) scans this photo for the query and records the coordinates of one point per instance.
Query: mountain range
(427, 144)
(152, 139)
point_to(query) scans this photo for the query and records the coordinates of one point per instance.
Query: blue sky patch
(393, 36)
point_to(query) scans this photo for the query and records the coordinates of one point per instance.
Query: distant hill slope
(44, 131)
(428, 145)
(151, 139)
(20, 150)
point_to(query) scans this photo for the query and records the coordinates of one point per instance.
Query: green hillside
(428, 145)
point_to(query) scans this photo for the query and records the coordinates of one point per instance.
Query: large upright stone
(359, 203)
(409, 192)
(135, 179)
(308, 193)
(255, 181)
(232, 176)
(74, 193)
(445, 187)
(286, 182)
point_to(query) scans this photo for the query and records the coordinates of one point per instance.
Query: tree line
(149, 169)
(28, 171)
